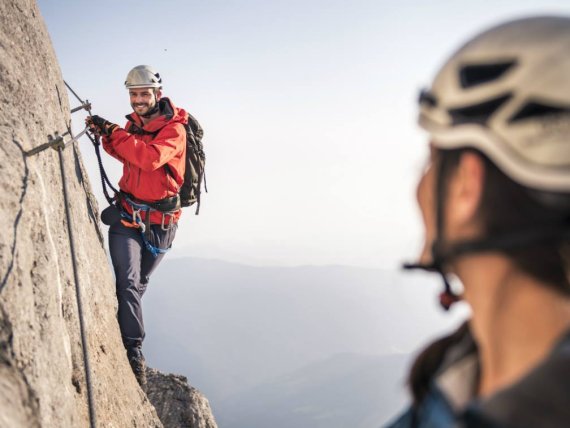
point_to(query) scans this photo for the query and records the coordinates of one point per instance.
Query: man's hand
(100, 126)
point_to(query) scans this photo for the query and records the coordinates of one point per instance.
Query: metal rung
(77, 137)
(56, 142)
(85, 106)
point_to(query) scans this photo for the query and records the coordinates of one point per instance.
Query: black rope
(104, 178)
(96, 144)
(90, 400)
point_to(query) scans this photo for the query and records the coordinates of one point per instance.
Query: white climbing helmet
(143, 76)
(507, 93)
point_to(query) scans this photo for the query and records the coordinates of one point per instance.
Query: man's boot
(138, 365)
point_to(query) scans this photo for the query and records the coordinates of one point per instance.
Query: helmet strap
(539, 235)
(439, 257)
(443, 253)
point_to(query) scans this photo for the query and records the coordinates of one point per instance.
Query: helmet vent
(477, 113)
(475, 75)
(536, 110)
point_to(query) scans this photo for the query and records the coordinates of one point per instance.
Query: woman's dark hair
(506, 208)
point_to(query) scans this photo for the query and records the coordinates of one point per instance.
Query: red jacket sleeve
(108, 146)
(148, 156)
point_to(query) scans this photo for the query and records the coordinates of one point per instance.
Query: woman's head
(498, 115)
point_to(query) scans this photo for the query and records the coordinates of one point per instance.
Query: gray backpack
(194, 174)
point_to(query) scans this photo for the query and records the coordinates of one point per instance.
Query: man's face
(143, 99)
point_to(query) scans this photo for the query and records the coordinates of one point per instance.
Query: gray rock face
(178, 404)
(42, 380)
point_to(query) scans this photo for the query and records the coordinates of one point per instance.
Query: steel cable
(59, 144)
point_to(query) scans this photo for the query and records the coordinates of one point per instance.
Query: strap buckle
(137, 219)
(170, 221)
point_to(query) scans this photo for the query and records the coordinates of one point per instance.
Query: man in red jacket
(152, 148)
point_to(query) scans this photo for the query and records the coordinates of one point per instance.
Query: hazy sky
(308, 109)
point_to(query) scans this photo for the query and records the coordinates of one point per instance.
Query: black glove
(100, 126)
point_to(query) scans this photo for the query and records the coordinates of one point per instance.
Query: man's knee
(128, 288)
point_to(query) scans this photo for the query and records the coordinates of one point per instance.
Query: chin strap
(447, 297)
(538, 235)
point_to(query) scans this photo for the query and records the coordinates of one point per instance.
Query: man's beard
(150, 110)
(147, 108)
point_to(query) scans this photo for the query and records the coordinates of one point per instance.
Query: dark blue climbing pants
(133, 263)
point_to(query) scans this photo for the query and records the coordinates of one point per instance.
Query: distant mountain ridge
(235, 329)
(346, 390)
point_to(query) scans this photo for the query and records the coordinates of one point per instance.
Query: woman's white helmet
(507, 93)
(143, 76)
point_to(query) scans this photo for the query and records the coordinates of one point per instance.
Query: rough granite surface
(42, 380)
(178, 404)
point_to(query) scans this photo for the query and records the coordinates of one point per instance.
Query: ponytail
(429, 361)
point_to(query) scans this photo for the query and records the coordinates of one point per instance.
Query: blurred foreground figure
(495, 200)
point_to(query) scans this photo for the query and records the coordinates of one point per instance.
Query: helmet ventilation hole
(477, 113)
(536, 110)
(475, 75)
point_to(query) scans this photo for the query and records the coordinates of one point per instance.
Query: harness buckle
(170, 222)
(137, 219)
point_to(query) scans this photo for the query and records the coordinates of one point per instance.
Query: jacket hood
(169, 113)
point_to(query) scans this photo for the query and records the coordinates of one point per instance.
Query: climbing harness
(58, 143)
(168, 207)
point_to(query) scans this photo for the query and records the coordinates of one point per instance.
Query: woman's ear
(465, 194)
